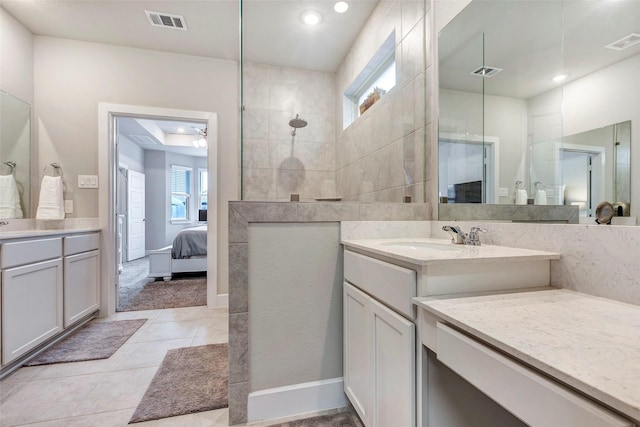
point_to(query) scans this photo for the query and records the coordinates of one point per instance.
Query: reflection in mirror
(523, 99)
(14, 157)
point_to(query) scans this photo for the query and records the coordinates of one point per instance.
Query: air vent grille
(166, 20)
(143, 139)
(625, 42)
(486, 71)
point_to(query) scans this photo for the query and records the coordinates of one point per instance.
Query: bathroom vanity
(551, 357)
(50, 282)
(382, 355)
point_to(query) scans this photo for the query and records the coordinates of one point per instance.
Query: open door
(135, 215)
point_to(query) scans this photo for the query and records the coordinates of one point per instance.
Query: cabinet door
(356, 349)
(81, 291)
(31, 307)
(392, 368)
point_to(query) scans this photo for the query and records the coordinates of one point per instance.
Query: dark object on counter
(604, 213)
(295, 197)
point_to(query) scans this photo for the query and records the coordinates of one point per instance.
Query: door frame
(107, 216)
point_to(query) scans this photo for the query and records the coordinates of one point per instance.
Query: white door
(135, 216)
(356, 349)
(392, 365)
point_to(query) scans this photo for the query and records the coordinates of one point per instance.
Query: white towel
(51, 204)
(541, 198)
(9, 198)
(521, 197)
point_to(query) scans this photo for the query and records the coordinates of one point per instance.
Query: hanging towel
(51, 204)
(521, 197)
(9, 198)
(541, 198)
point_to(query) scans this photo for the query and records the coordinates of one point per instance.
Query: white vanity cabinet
(379, 341)
(31, 294)
(81, 276)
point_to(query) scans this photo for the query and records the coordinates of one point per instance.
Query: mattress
(190, 242)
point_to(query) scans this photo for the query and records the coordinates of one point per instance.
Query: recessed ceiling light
(341, 6)
(560, 77)
(311, 17)
(180, 130)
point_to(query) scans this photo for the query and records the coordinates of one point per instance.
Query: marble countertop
(587, 342)
(440, 251)
(18, 234)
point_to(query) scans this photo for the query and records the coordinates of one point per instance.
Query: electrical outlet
(68, 206)
(503, 192)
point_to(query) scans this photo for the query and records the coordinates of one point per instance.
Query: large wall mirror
(333, 107)
(539, 103)
(15, 149)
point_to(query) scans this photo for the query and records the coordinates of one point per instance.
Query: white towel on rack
(541, 198)
(521, 197)
(51, 204)
(9, 198)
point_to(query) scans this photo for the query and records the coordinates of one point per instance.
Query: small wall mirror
(537, 104)
(15, 146)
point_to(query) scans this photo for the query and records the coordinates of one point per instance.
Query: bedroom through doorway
(161, 203)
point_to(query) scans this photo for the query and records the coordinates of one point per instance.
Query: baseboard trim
(296, 399)
(219, 301)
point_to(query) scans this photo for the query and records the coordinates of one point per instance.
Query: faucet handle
(474, 237)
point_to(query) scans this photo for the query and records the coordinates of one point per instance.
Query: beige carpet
(342, 419)
(95, 340)
(189, 380)
(181, 291)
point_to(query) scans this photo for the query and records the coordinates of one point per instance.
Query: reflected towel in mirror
(521, 197)
(51, 203)
(9, 198)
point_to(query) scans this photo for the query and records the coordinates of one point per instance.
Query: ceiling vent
(166, 20)
(625, 42)
(143, 139)
(486, 71)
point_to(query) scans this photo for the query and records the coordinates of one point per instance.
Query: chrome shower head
(297, 122)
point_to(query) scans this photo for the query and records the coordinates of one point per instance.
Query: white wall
(72, 77)
(295, 304)
(130, 154)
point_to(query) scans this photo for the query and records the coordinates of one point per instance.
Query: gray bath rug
(189, 380)
(95, 340)
(146, 294)
(342, 419)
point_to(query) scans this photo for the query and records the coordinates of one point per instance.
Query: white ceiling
(162, 135)
(273, 31)
(533, 41)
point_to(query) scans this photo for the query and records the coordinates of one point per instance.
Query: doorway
(110, 168)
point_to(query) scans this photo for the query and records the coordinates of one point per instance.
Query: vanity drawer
(29, 251)
(542, 402)
(81, 243)
(391, 284)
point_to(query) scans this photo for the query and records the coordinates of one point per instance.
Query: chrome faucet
(460, 238)
(457, 236)
(2, 223)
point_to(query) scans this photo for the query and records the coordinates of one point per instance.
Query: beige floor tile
(9, 384)
(52, 423)
(217, 418)
(117, 390)
(126, 315)
(146, 354)
(184, 313)
(61, 370)
(47, 399)
(104, 419)
(168, 331)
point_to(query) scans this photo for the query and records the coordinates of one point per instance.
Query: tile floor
(104, 393)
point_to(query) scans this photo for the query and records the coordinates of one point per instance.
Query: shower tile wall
(275, 163)
(381, 155)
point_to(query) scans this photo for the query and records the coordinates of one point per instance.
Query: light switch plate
(68, 206)
(87, 181)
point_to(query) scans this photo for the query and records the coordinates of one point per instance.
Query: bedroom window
(203, 182)
(180, 193)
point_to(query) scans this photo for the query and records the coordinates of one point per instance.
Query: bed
(187, 254)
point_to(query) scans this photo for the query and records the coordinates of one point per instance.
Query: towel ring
(12, 166)
(56, 169)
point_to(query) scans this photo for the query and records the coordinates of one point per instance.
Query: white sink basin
(423, 245)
